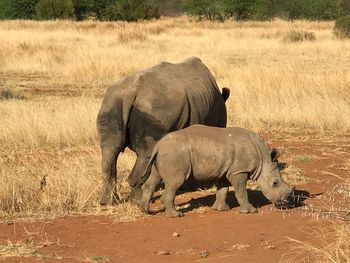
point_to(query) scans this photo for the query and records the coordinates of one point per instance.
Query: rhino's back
(173, 87)
(212, 151)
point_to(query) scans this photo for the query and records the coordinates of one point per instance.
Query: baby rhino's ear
(276, 153)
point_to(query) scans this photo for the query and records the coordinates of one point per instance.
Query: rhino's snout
(279, 195)
(284, 200)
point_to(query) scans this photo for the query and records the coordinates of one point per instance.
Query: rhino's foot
(105, 200)
(248, 209)
(220, 206)
(136, 193)
(173, 213)
(142, 206)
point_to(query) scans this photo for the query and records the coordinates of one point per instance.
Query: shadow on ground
(255, 197)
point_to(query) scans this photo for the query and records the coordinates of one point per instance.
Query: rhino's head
(271, 182)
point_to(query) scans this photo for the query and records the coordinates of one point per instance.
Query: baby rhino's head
(271, 182)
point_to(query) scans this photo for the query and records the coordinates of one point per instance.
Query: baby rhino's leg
(239, 182)
(173, 179)
(222, 188)
(168, 198)
(148, 189)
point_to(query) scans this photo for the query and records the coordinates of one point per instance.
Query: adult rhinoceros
(140, 109)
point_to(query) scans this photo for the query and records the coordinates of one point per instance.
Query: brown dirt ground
(204, 235)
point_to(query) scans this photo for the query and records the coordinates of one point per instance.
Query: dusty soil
(202, 235)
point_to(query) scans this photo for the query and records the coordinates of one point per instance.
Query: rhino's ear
(225, 93)
(282, 166)
(276, 153)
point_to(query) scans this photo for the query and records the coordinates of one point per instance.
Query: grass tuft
(299, 36)
(328, 241)
(98, 259)
(7, 94)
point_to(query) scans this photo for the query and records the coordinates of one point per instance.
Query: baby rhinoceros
(228, 155)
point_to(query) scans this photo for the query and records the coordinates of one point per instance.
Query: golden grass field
(63, 68)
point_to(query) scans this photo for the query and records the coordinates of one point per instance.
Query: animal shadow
(257, 199)
(297, 198)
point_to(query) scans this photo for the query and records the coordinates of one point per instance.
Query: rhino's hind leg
(168, 198)
(148, 189)
(239, 182)
(222, 188)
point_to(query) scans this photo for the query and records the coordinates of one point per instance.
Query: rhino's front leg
(109, 173)
(239, 182)
(135, 177)
(148, 190)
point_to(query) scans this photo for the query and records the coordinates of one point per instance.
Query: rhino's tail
(225, 93)
(147, 171)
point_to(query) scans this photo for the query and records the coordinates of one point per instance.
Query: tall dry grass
(51, 181)
(49, 121)
(328, 241)
(274, 84)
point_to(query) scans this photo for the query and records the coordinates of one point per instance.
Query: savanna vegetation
(53, 76)
(146, 9)
(284, 76)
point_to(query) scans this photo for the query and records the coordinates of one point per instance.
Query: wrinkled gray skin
(230, 155)
(140, 109)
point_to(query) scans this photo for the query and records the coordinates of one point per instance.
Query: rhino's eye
(275, 184)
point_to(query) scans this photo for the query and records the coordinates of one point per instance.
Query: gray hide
(140, 109)
(229, 155)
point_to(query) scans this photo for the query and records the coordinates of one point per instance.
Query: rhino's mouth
(282, 202)
(286, 203)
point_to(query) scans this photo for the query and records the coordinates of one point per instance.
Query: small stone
(270, 247)
(175, 234)
(241, 246)
(162, 252)
(204, 253)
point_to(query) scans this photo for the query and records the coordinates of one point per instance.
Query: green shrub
(264, 9)
(239, 9)
(205, 9)
(17, 9)
(308, 9)
(299, 36)
(130, 10)
(54, 9)
(342, 27)
(99, 7)
(344, 6)
(84, 9)
(320, 9)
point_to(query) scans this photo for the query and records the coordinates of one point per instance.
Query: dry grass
(328, 240)
(50, 121)
(332, 245)
(24, 249)
(299, 36)
(274, 85)
(71, 184)
(21, 249)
